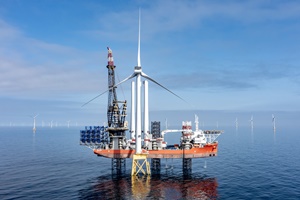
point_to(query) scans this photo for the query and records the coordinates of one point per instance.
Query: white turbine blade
(149, 78)
(139, 42)
(95, 98)
(126, 79)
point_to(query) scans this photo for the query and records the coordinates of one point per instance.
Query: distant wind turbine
(251, 122)
(196, 122)
(166, 121)
(34, 128)
(273, 121)
(236, 124)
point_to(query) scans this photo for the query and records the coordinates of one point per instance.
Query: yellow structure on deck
(139, 161)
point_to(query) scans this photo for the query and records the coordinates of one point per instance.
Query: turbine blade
(126, 79)
(95, 98)
(150, 79)
(139, 42)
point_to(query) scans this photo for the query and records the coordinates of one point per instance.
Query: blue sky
(218, 55)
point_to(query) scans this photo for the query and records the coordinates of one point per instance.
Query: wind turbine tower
(197, 122)
(251, 122)
(138, 73)
(273, 121)
(166, 123)
(34, 128)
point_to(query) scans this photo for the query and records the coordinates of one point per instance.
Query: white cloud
(7, 31)
(35, 68)
(164, 16)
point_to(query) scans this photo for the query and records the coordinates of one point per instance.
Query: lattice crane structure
(116, 115)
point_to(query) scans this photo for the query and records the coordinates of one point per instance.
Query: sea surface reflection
(158, 186)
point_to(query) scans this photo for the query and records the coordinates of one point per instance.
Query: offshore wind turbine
(166, 123)
(68, 123)
(251, 122)
(138, 73)
(273, 121)
(196, 122)
(34, 128)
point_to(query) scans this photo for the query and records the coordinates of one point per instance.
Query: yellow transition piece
(140, 161)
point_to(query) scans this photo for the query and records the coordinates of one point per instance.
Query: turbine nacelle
(138, 70)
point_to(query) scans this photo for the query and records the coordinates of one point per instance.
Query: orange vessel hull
(195, 152)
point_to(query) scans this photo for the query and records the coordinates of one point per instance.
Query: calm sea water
(51, 164)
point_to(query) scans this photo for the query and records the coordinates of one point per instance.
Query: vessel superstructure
(192, 144)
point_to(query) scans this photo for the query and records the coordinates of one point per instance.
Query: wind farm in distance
(40, 123)
(214, 120)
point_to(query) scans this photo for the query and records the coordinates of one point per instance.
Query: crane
(116, 114)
